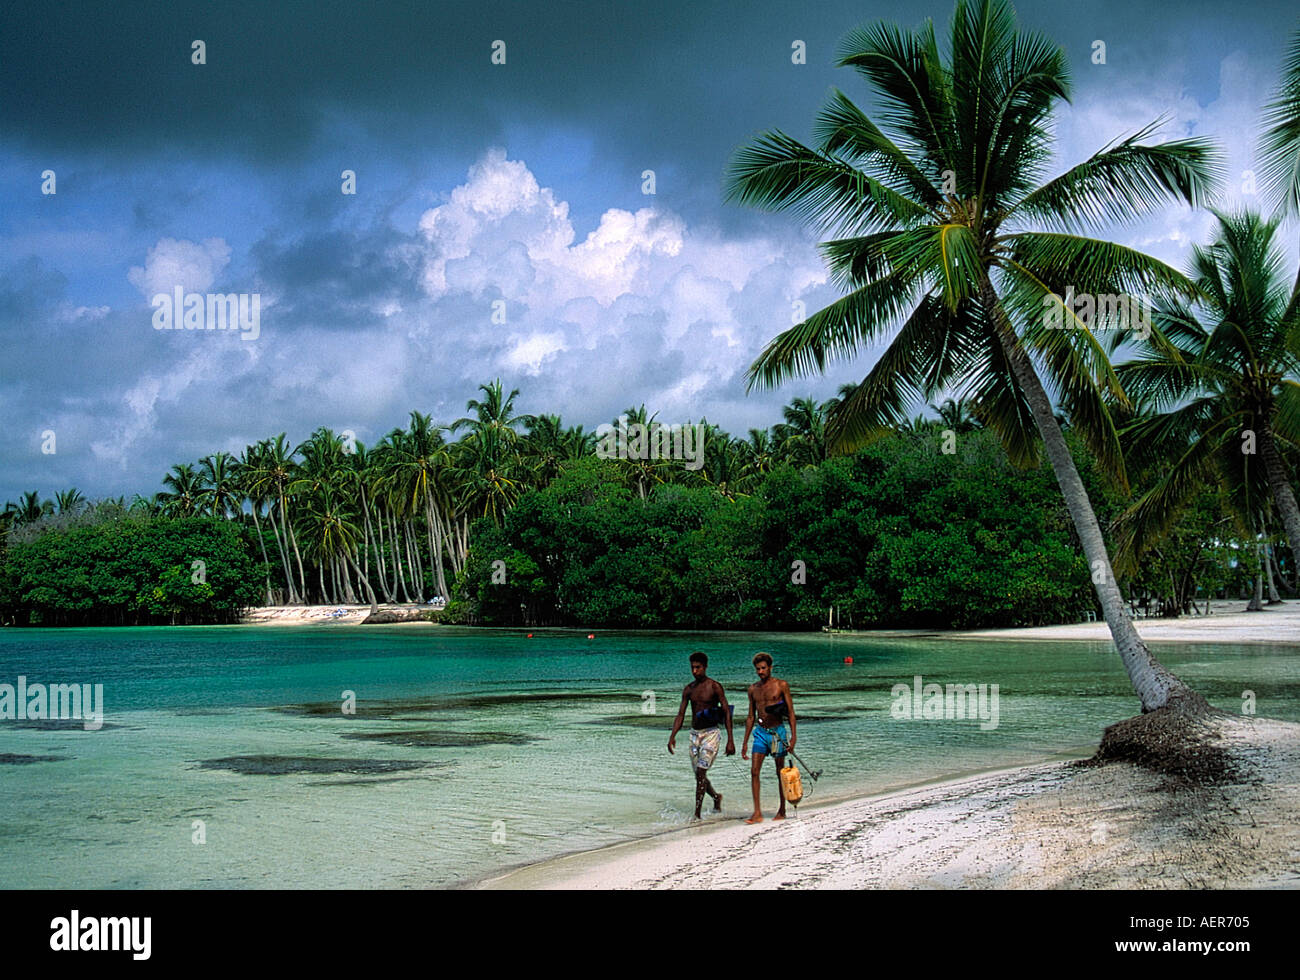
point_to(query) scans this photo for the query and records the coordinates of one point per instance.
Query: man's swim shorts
(704, 746)
(770, 741)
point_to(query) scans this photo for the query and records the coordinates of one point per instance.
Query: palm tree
(1279, 146)
(801, 438)
(956, 414)
(30, 508)
(934, 230)
(184, 496)
(1224, 395)
(69, 501)
(220, 495)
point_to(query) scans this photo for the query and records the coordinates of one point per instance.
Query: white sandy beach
(1045, 826)
(324, 615)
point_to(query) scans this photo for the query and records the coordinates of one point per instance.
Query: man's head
(763, 664)
(699, 664)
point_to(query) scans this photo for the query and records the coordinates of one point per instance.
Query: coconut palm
(801, 438)
(220, 495)
(69, 501)
(935, 237)
(1280, 144)
(1223, 391)
(184, 496)
(30, 509)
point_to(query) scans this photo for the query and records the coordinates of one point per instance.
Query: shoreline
(1277, 625)
(1046, 825)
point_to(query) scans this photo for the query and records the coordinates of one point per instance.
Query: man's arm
(726, 713)
(749, 723)
(789, 703)
(677, 723)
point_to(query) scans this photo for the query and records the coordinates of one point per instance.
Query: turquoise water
(472, 751)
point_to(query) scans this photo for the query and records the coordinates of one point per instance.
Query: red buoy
(848, 660)
(530, 636)
(591, 636)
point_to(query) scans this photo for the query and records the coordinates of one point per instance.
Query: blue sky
(475, 183)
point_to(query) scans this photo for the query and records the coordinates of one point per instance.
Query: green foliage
(899, 535)
(132, 571)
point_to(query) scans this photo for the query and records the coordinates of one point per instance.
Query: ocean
(228, 756)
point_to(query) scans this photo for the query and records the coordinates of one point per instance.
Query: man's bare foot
(717, 803)
(756, 818)
(779, 816)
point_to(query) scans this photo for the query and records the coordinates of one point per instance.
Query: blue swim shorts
(769, 741)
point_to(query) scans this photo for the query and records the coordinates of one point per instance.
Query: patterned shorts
(704, 746)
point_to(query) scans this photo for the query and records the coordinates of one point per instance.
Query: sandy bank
(1047, 826)
(323, 615)
(1227, 623)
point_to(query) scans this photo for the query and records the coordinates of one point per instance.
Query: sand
(324, 615)
(1055, 825)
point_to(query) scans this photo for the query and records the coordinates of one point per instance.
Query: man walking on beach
(708, 709)
(770, 701)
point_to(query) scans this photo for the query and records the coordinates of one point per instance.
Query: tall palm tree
(935, 234)
(184, 496)
(1224, 393)
(220, 495)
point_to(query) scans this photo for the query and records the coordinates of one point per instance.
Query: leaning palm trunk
(374, 605)
(282, 548)
(1273, 597)
(435, 544)
(1155, 685)
(265, 560)
(1283, 495)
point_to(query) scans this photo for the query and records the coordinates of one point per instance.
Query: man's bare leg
(755, 771)
(701, 780)
(780, 764)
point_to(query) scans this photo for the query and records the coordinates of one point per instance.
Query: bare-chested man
(770, 704)
(709, 708)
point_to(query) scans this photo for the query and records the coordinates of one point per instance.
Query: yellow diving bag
(791, 784)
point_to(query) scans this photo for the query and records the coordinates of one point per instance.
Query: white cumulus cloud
(173, 262)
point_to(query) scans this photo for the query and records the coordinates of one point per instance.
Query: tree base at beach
(1176, 740)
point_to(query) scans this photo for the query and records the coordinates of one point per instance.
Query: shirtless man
(771, 702)
(709, 708)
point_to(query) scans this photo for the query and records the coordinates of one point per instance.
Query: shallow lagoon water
(471, 751)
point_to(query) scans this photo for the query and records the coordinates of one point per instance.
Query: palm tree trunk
(374, 606)
(292, 539)
(1283, 495)
(283, 549)
(435, 544)
(265, 560)
(397, 558)
(1155, 685)
(1256, 603)
(417, 566)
